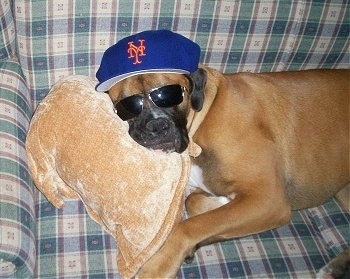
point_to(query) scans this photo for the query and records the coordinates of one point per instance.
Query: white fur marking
(224, 200)
(196, 180)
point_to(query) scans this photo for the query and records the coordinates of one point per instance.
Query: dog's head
(156, 107)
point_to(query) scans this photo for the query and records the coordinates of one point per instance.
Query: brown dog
(271, 143)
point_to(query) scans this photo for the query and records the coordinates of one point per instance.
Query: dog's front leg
(259, 203)
(246, 214)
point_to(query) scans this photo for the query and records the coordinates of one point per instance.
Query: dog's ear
(199, 79)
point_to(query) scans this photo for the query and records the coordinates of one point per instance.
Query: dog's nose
(157, 126)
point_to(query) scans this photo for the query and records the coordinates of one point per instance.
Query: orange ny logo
(136, 51)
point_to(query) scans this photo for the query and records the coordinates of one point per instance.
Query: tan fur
(272, 142)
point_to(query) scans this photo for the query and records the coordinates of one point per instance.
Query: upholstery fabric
(68, 38)
(7, 28)
(302, 251)
(17, 216)
(71, 245)
(57, 38)
(296, 250)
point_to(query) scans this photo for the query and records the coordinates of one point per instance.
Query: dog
(271, 143)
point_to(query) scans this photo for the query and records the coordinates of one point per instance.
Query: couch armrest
(17, 211)
(7, 35)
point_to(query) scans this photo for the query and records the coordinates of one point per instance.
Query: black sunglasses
(164, 97)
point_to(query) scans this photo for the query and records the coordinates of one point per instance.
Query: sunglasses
(164, 97)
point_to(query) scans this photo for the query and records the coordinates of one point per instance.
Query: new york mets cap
(160, 51)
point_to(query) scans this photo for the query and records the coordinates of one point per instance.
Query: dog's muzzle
(161, 133)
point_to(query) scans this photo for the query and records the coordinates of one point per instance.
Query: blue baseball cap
(160, 51)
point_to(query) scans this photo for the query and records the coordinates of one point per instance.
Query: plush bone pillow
(77, 146)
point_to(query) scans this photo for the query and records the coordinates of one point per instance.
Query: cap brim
(106, 85)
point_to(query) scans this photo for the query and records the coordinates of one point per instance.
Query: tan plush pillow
(78, 147)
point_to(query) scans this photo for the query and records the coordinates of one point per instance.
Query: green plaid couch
(44, 40)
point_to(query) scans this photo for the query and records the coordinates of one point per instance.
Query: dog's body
(271, 143)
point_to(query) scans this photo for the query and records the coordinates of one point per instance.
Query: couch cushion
(17, 217)
(7, 29)
(61, 38)
(71, 245)
(297, 250)
(69, 37)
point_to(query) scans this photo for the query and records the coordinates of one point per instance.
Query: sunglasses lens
(129, 107)
(167, 96)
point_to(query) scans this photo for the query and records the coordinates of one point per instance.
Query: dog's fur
(271, 143)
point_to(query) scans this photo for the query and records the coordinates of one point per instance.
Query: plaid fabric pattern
(7, 29)
(70, 37)
(17, 216)
(60, 38)
(296, 250)
(71, 246)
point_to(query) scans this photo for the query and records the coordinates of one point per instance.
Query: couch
(44, 40)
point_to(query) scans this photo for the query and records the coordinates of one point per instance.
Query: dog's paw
(163, 264)
(152, 270)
